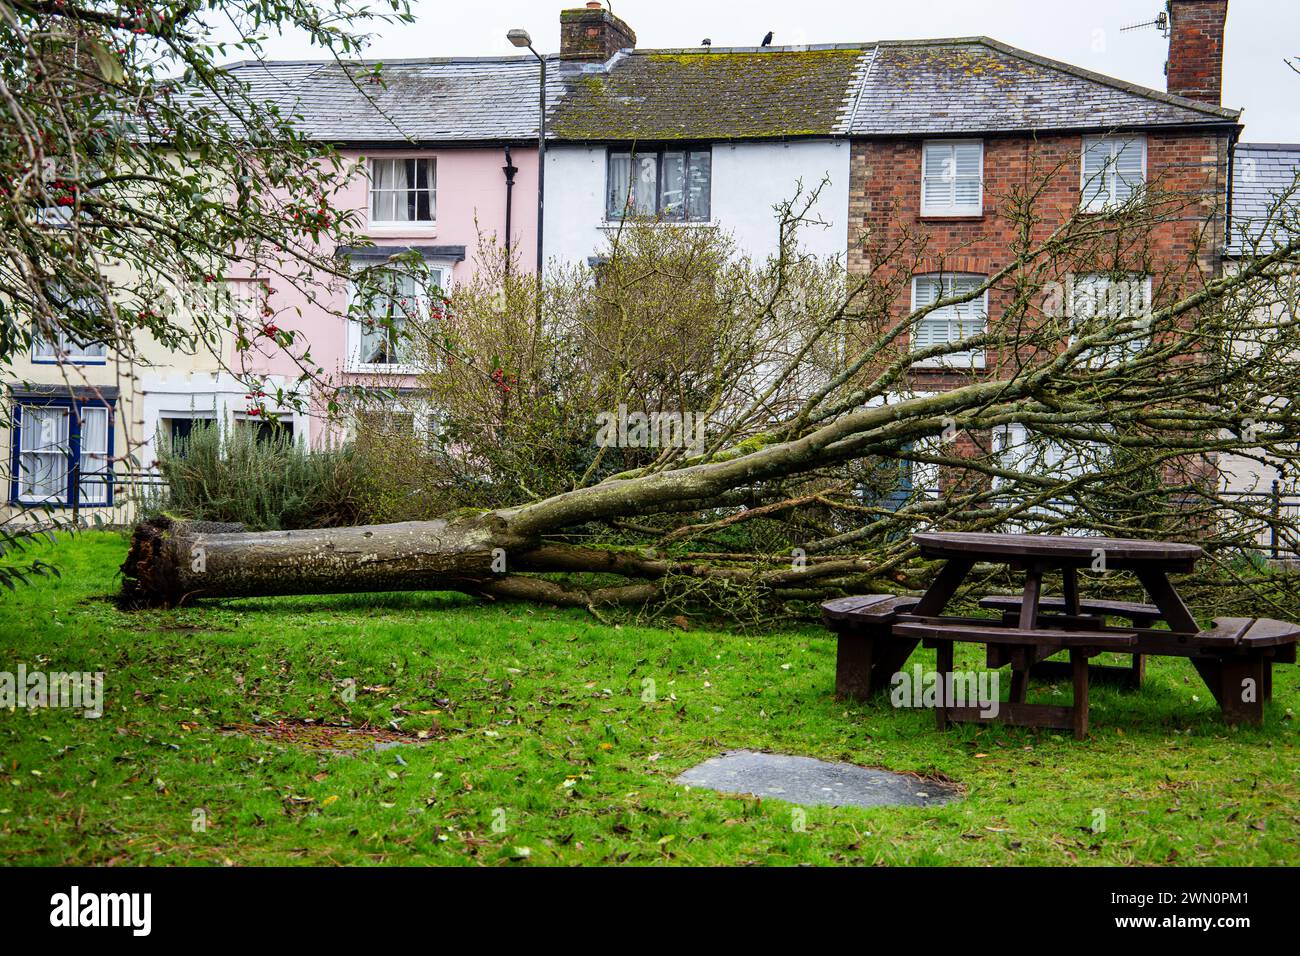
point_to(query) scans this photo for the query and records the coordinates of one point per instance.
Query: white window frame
(1110, 173)
(952, 209)
(398, 224)
(440, 275)
(971, 358)
(65, 350)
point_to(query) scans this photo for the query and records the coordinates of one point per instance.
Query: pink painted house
(448, 150)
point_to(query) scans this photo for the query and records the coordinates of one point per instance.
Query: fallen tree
(778, 500)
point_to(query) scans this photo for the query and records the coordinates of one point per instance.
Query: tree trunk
(170, 561)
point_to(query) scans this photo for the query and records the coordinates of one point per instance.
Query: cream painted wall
(749, 180)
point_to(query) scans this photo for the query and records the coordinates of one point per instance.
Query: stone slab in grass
(814, 783)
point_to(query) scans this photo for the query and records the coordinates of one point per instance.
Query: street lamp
(521, 39)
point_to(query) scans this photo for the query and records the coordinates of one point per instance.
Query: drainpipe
(1231, 186)
(510, 169)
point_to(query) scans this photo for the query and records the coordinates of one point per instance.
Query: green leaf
(110, 68)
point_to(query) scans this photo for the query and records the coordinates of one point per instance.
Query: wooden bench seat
(971, 633)
(1092, 612)
(867, 654)
(1141, 615)
(867, 608)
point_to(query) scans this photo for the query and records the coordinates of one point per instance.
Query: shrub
(263, 483)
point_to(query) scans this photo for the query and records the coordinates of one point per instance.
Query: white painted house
(710, 137)
(747, 181)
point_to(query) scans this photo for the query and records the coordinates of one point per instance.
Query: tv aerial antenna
(1161, 23)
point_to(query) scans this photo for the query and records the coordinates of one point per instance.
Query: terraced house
(705, 137)
(926, 137)
(944, 132)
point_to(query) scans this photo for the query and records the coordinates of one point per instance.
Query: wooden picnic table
(877, 633)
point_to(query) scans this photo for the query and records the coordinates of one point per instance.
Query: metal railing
(1273, 518)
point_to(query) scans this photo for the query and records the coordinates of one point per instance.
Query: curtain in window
(43, 454)
(645, 185)
(95, 475)
(401, 190)
(633, 185)
(620, 184)
(674, 185)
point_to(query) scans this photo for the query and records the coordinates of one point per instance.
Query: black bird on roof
(707, 42)
(767, 40)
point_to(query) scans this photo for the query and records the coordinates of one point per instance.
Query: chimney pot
(1195, 67)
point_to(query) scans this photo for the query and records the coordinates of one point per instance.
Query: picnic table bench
(878, 632)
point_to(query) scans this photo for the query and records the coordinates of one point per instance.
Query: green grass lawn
(540, 748)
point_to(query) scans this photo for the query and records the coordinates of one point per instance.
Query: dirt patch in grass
(330, 738)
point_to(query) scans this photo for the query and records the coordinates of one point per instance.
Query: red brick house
(943, 132)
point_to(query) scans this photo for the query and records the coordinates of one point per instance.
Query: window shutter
(967, 163)
(1096, 160)
(950, 323)
(937, 181)
(1128, 172)
(926, 332)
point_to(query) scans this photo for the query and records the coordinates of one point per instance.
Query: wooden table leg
(1079, 664)
(943, 658)
(1241, 699)
(889, 657)
(1227, 678)
(1029, 604)
(944, 587)
(1070, 587)
(854, 651)
(1175, 612)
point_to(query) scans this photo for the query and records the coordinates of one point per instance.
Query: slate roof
(979, 85)
(1264, 189)
(892, 88)
(481, 99)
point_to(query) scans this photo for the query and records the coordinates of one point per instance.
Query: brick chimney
(593, 33)
(1195, 67)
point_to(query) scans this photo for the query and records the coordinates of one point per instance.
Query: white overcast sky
(1261, 35)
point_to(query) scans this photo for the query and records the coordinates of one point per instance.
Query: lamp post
(521, 39)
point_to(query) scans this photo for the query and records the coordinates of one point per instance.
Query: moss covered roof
(711, 95)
